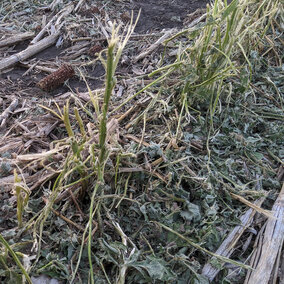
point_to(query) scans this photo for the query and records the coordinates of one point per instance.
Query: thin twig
(6, 113)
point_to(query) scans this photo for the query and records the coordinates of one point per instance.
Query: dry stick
(255, 256)
(9, 180)
(79, 227)
(137, 140)
(228, 245)
(103, 38)
(4, 116)
(11, 144)
(67, 10)
(31, 68)
(272, 243)
(28, 52)
(39, 156)
(79, 5)
(54, 4)
(16, 38)
(196, 21)
(251, 205)
(41, 180)
(153, 46)
(140, 169)
(120, 118)
(37, 67)
(75, 202)
(41, 33)
(163, 38)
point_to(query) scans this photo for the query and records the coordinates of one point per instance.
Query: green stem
(110, 82)
(16, 259)
(90, 232)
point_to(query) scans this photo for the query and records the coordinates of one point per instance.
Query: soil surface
(160, 14)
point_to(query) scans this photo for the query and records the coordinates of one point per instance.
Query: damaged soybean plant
(142, 179)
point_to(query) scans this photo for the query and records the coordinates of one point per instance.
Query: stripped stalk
(110, 83)
(116, 45)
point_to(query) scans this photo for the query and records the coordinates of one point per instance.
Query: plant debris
(144, 166)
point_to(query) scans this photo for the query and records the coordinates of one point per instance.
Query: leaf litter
(189, 147)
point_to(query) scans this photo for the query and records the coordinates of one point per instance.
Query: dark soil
(160, 14)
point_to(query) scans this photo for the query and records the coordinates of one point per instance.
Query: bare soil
(160, 14)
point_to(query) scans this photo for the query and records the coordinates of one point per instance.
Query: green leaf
(192, 213)
(200, 279)
(230, 9)
(258, 155)
(156, 268)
